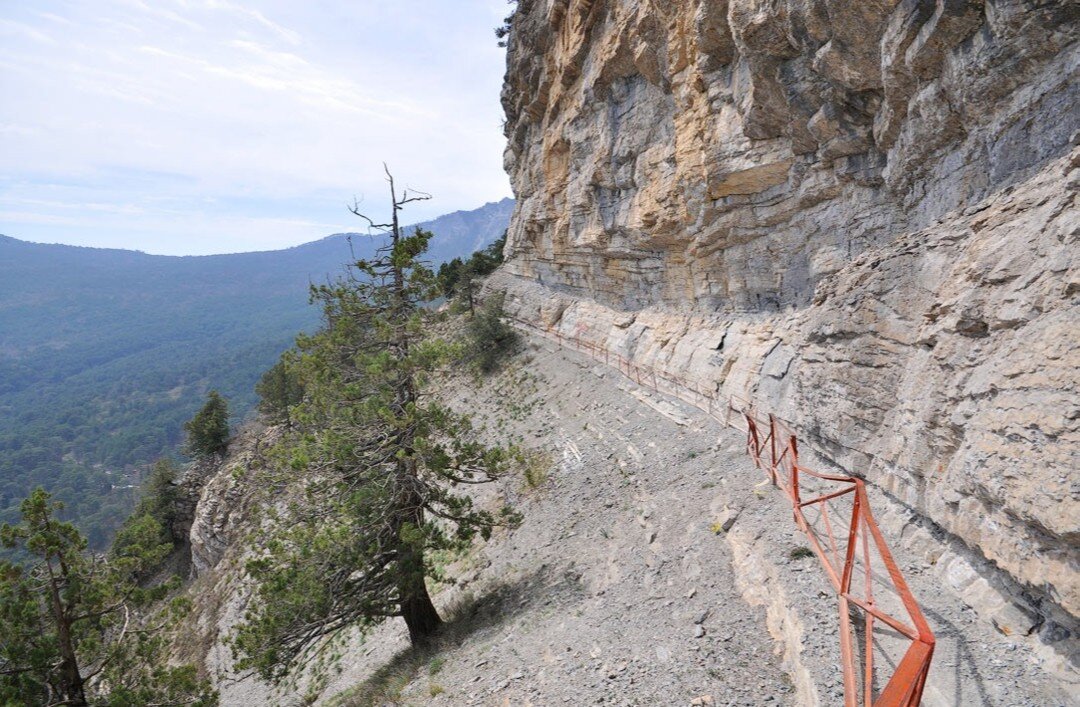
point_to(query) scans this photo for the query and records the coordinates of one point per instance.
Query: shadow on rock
(466, 618)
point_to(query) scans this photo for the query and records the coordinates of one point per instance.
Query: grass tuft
(537, 464)
(799, 553)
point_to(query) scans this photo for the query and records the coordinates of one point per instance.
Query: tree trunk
(71, 682)
(416, 607)
(419, 613)
(68, 676)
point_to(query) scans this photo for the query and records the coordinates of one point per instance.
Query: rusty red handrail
(773, 447)
(905, 687)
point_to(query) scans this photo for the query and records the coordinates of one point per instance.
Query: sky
(188, 127)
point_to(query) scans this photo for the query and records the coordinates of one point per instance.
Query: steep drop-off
(861, 216)
(105, 353)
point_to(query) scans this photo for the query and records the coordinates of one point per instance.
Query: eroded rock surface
(941, 367)
(226, 499)
(732, 153)
(861, 216)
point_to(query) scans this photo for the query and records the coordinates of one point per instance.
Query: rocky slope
(652, 567)
(862, 216)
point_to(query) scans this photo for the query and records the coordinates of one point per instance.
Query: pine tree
(72, 634)
(208, 431)
(161, 502)
(490, 339)
(381, 459)
(280, 389)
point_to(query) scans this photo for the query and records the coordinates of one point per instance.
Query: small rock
(699, 631)
(725, 519)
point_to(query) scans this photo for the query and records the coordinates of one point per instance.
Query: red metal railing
(859, 548)
(774, 449)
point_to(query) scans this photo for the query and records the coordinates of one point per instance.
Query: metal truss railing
(834, 513)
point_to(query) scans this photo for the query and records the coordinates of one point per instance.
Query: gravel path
(622, 585)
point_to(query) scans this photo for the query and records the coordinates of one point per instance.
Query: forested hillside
(105, 353)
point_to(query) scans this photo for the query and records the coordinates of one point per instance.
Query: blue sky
(211, 126)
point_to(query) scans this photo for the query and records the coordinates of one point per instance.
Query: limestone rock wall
(225, 498)
(860, 215)
(942, 368)
(731, 153)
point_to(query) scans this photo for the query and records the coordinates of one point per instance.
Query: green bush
(458, 274)
(159, 508)
(490, 338)
(208, 431)
(280, 389)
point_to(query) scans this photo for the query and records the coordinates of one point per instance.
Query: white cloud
(10, 28)
(55, 18)
(275, 112)
(285, 34)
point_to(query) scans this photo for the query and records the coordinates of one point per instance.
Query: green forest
(90, 627)
(104, 354)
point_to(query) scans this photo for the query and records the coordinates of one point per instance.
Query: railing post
(752, 440)
(794, 447)
(772, 449)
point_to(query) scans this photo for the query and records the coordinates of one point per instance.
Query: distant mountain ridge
(104, 353)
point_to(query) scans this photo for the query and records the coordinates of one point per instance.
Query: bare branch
(417, 196)
(372, 226)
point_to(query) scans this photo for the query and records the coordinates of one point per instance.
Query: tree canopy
(280, 389)
(72, 631)
(208, 431)
(457, 274)
(381, 460)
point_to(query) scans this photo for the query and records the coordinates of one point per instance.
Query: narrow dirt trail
(622, 585)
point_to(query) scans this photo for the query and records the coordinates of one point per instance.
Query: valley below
(749, 239)
(105, 353)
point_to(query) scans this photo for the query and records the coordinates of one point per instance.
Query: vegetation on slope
(381, 461)
(104, 354)
(73, 629)
(85, 627)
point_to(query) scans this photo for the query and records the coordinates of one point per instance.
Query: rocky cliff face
(232, 497)
(226, 499)
(731, 153)
(861, 215)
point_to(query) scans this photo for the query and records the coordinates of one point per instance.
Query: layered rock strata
(731, 153)
(862, 216)
(942, 368)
